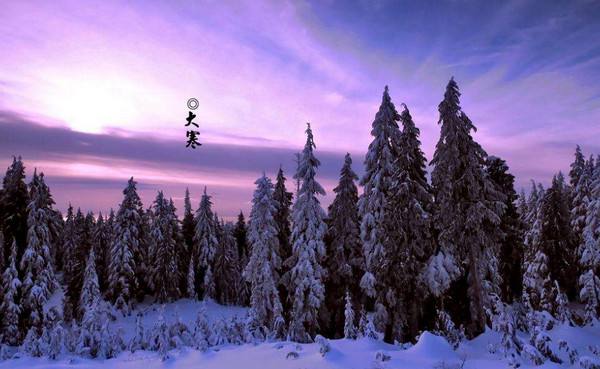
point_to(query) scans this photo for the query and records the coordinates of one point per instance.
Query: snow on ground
(430, 351)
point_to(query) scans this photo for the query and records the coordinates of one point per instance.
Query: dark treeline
(394, 252)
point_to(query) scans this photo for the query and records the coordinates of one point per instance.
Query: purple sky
(94, 92)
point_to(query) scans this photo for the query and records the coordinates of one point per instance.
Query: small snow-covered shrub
(324, 346)
(292, 355)
(586, 362)
(382, 356)
(571, 352)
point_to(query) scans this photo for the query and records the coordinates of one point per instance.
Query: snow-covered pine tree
(503, 322)
(226, 267)
(139, 340)
(36, 264)
(56, 343)
(241, 240)
(93, 315)
(344, 262)
(305, 278)
(71, 267)
(202, 330)
(165, 242)
(561, 311)
(123, 282)
(577, 167)
(400, 294)
(261, 271)
(13, 209)
(78, 236)
(349, 326)
(589, 250)
(468, 210)
(187, 231)
(511, 249)
(101, 245)
(530, 214)
(10, 308)
(579, 192)
(556, 237)
(377, 182)
(537, 286)
(283, 201)
(179, 331)
(160, 338)
(205, 245)
(90, 291)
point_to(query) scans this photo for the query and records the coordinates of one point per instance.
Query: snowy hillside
(430, 351)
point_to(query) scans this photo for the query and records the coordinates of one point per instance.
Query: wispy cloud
(261, 69)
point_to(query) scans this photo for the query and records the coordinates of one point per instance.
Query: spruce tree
(123, 283)
(581, 195)
(13, 209)
(344, 262)
(10, 307)
(94, 337)
(511, 248)
(261, 271)
(188, 226)
(90, 291)
(79, 231)
(101, 245)
(467, 214)
(227, 268)
(241, 240)
(36, 264)
(305, 278)
(577, 167)
(556, 237)
(349, 326)
(283, 201)
(377, 182)
(205, 245)
(536, 279)
(410, 242)
(71, 267)
(166, 240)
(589, 250)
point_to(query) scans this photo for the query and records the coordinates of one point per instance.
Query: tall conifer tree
(556, 237)
(261, 271)
(36, 264)
(511, 249)
(205, 245)
(305, 279)
(377, 182)
(13, 209)
(123, 283)
(10, 307)
(344, 262)
(165, 244)
(467, 214)
(409, 229)
(283, 200)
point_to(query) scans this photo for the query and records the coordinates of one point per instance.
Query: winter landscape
(442, 214)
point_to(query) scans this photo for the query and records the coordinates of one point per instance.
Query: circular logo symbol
(193, 103)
